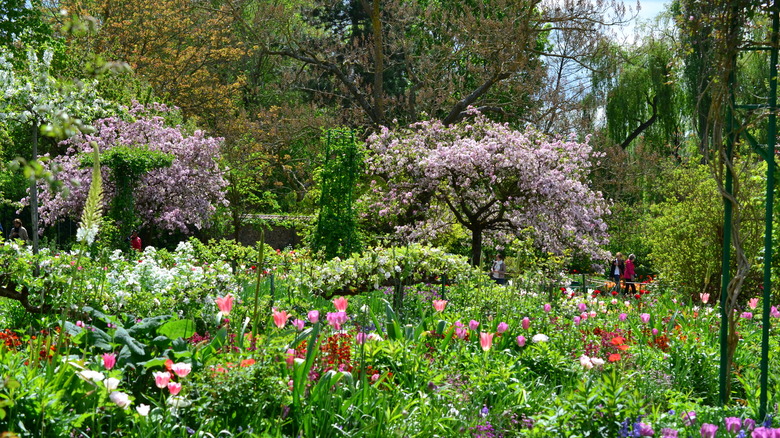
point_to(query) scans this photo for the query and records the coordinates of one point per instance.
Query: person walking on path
(498, 272)
(629, 274)
(616, 270)
(18, 232)
(135, 241)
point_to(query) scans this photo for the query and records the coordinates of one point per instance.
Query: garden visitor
(498, 272)
(628, 275)
(616, 270)
(135, 241)
(18, 231)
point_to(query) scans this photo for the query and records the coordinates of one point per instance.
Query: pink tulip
(461, 332)
(280, 318)
(622, 316)
(361, 338)
(486, 341)
(290, 359)
(655, 331)
(521, 341)
(174, 388)
(340, 303)
(747, 315)
(645, 317)
(502, 327)
(584, 316)
(774, 313)
(582, 306)
(225, 304)
(577, 320)
(547, 308)
(473, 324)
(109, 360)
(181, 369)
(298, 324)
(314, 316)
(526, 323)
(753, 303)
(161, 379)
(439, 305)
(335, 319)
(704, 298)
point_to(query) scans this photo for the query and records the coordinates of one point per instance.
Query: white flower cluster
(374, 268)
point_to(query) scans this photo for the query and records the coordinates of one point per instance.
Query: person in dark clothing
(616, 270)
(18, 232)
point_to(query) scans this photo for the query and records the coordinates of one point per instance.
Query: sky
(650, 8)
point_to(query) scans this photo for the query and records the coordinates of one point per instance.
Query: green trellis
(767, 152)
(336, 233)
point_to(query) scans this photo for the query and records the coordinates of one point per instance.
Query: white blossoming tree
(48, 105)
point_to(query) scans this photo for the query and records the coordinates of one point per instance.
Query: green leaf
(147, 325)
(182, 328)
(123, 337)
(99, 338)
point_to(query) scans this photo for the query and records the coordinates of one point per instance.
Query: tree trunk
(34, 193)
(476, 246)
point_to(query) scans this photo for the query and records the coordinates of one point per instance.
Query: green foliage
(128, 165)
(645, 99)
(686, 230)
(596, 407)
(336, 234)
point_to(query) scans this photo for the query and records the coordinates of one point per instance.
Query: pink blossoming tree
(178, 197)
(492, 180)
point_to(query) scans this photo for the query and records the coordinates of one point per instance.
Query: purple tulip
(548, 308)
(502, 327)
(622, 316)
(708, 430)
(645, 317)
(668, 433)
(521, 340)
(689, 418)
(314, 316)
(733, 424)
(749, 424)
(645, 430)
(473, 324)
(582, 306)
(526, 323)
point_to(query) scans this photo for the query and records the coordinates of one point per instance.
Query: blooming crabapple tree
(491, 179)
(172, 198)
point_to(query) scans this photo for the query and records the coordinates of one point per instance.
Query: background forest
(254, 87)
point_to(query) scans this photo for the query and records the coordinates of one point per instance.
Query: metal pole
(770, 191)
(725, 276)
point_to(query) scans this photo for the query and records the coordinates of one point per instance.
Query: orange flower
(622, 347)
(247, 362)
(614, 357)
(617, 340)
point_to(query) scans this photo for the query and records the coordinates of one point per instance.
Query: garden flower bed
(181, 344)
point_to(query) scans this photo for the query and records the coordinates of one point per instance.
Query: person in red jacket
(629, 274)
(135, 241)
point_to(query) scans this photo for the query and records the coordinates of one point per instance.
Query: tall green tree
(380, 61)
